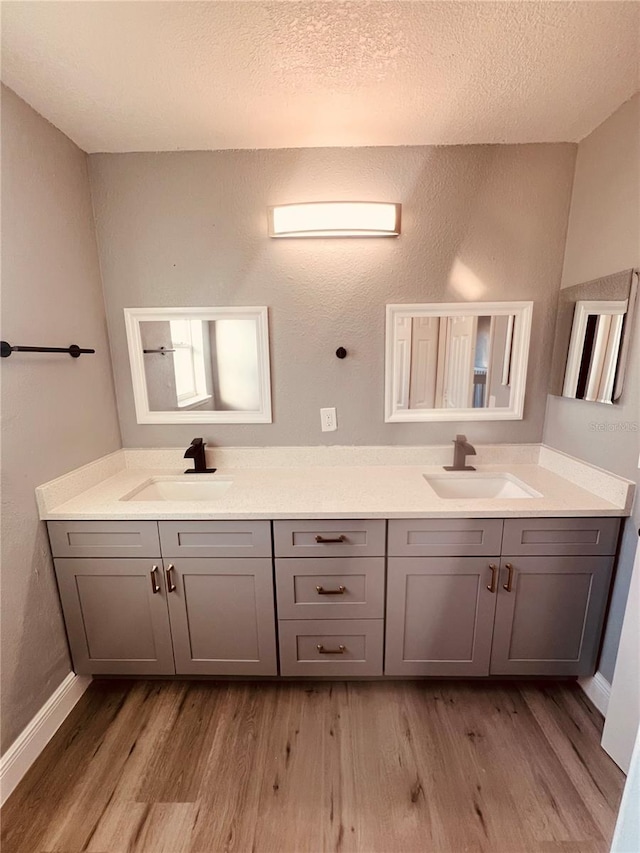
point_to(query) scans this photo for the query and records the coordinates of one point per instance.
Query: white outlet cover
(328, 420)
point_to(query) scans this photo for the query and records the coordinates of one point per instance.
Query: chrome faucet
(461, 449)
(195, 451)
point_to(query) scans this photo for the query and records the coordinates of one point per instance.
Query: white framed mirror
(594, 326)
(456, 361)
(199, 365)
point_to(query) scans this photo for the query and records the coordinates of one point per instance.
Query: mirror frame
(522, 311)
(583, 310)
(144, 415)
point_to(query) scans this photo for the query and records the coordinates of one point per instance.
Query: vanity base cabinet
(440, 615)
(539, 611)
(549, 620)
(116, 616)
(222, 616)
(197, 597)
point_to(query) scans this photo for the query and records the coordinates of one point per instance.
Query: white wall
(57, 412)
(604, 237)
(190, 228)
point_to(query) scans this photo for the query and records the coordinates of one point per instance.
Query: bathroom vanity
(378, 575)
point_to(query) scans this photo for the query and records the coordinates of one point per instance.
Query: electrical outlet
(328, 420)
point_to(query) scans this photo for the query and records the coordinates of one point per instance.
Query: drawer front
(340, 538)
(445, 537)
(337, 588)
(560, 536)
(331, 647)
(104, 538)
(215, 538)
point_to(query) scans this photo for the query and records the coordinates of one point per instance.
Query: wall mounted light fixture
(335, 219)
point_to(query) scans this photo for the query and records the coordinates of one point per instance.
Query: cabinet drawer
(560, 536)
(104, 538)
(215, 538)
(338, 588)
(331, 647)
(445, 537)
(339, 538)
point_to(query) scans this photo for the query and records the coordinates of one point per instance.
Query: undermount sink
(172, 489)
(473, 484)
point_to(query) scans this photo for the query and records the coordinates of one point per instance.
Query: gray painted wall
(189, 228)
(604, 237)
(57, 412)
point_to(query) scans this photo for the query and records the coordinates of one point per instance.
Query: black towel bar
(74, 350)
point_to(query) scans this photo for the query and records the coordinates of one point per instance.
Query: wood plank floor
(203, 767)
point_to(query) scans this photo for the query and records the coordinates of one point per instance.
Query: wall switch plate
(328, 420)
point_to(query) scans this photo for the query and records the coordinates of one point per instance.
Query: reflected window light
(465, 282)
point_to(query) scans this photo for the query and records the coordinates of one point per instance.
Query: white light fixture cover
(335, 219)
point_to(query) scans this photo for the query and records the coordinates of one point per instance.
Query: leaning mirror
(456, 362)
(593, 331)
(199, 365)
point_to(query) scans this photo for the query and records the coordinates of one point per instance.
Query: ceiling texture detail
(166, 76)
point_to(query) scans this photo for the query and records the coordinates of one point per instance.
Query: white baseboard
(28, 745)
(598, 690)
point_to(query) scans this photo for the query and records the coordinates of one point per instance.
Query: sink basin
(172, 489)
(473, 484)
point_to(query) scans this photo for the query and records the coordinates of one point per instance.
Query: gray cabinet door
(222, 616)
(549, 623)
(116, 616)
(440, 615)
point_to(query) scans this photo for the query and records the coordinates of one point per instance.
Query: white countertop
(331, 491)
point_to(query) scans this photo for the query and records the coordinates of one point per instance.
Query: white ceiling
(163, 76)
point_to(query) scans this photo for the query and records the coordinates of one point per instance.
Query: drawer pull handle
(155, 586)
(321, 540)
(493, 586)
(509, 584)
(340, 591)
(339, 651)
(171, 587)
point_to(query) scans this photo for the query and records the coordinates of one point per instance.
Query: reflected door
(425, 337)
(460, 345)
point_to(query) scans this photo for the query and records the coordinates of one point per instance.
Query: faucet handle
(196, 442)
(460, 439)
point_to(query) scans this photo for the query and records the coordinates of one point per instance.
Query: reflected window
(189, 362)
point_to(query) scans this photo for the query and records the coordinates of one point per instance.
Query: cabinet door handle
(509, 584)
(493, 586)
(340, 591)
(171, 587)
(155, 586)
(321, 540)
(339, 651)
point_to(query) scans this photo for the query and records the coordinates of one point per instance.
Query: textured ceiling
(146, 76)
